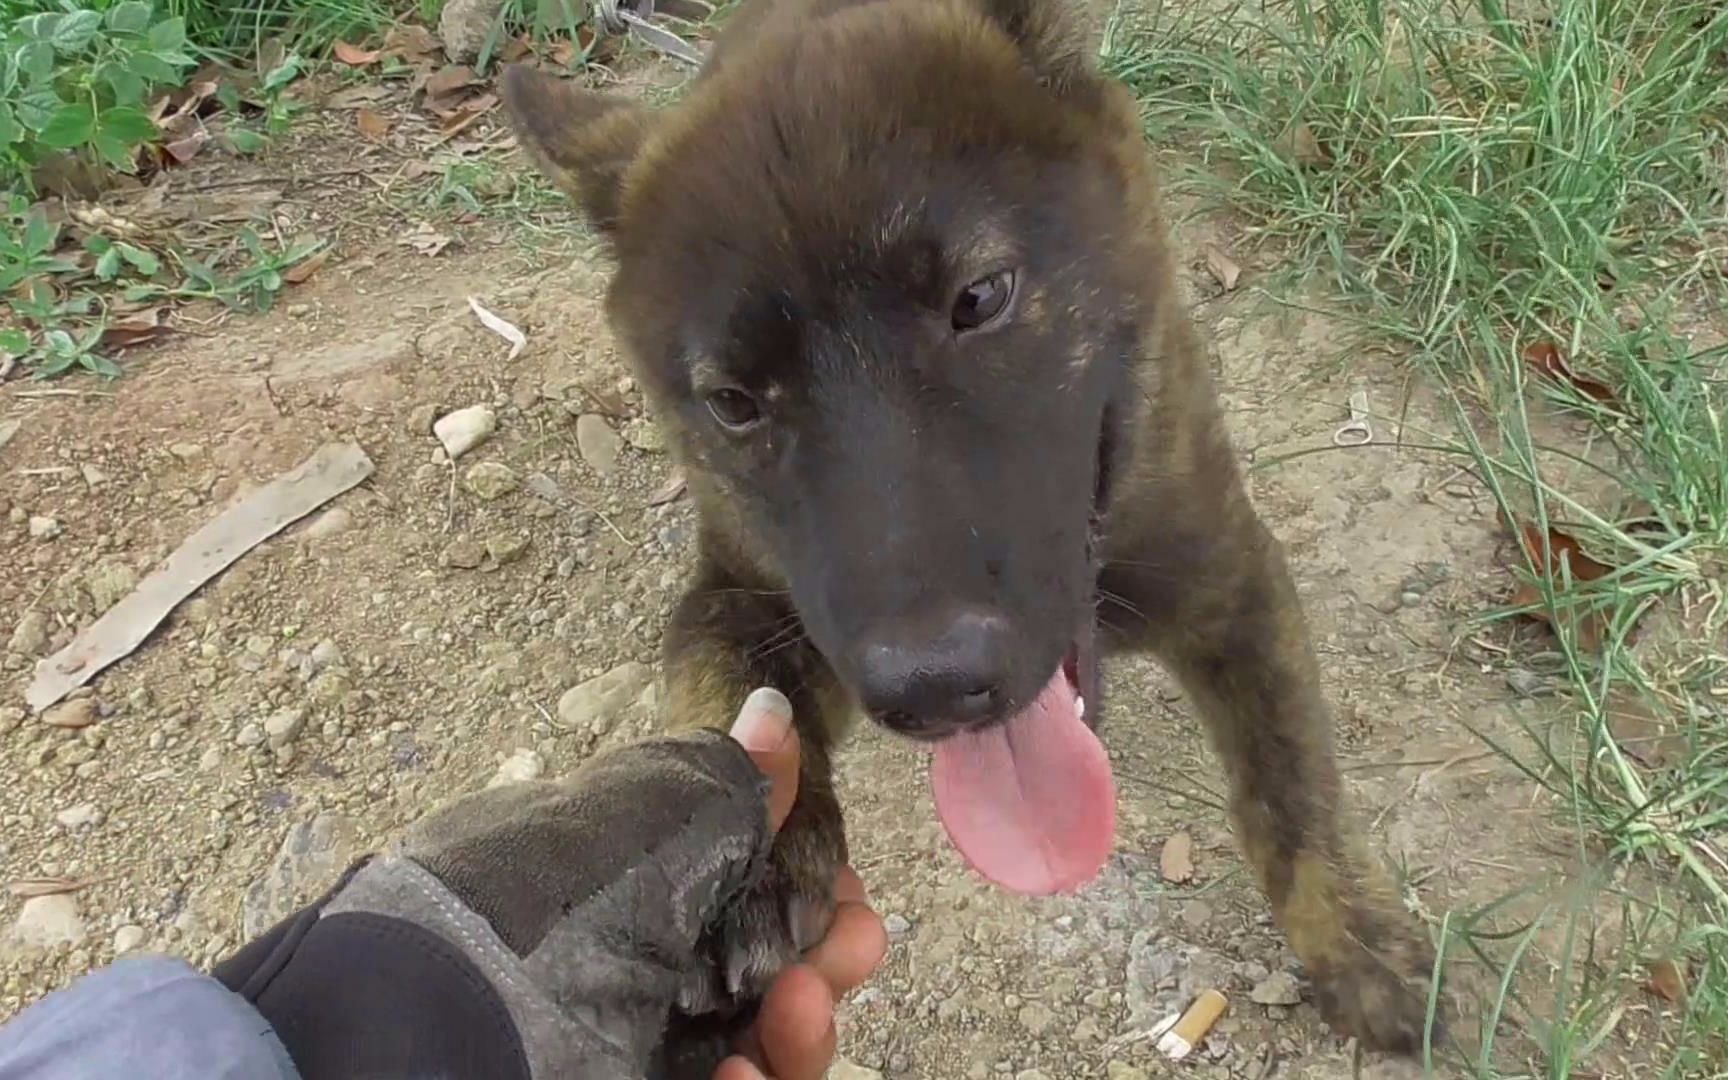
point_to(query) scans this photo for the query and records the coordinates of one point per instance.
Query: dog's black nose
(928, 676)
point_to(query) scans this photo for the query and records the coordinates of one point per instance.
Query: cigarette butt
(1178, 1042)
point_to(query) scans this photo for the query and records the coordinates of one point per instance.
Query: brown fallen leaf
(354, 55)
(466, 113)
(1176, 861)
(1545, 357)
(303, 270)
(1667, 980)
(371, 124)
(519, 46)
(1562, 555)
(410, 41)
(446, 87)
(1299, 144)
(1642, 734)
(29, 888)
(355, 96)
(426, 240)
(136, 328)
(670, 491)
(1223, 268)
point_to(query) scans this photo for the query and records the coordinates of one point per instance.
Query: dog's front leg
(1218, 607)
(725, 639)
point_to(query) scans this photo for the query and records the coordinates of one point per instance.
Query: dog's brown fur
(1189, 572)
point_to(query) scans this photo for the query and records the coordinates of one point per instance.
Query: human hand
(793, 1036)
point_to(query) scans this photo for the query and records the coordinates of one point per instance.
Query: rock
(421, 418)
(545, 487)
(598, 444)
(11, 717)
(897, 924)
(186, 451)
(284, 726)
(325, 654)
(77, 713)
(250, 735)
(646, 436)
(312, 855)
(110, 582)
(211, 759)
(1118, 1070)
(329, 689)
(43, 528)
(490, 480)
(81, 816)
(1278, 988)
(1035, 1018)
(1031, 1074)
(595, 705)
(846, 1070)
(127, 938)
(48, 921)
(31, 636)
(506, 547)
(463, 26)
(331, 522)
(1528, 684)
(464, 429)
(93, 476)
(462, 554)
(520, 767)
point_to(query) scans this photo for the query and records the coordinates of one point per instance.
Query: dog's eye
(982, 301)
(735, 409)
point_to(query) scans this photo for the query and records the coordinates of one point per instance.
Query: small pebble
(43, 528)
(77, 713)
(127, 938)
(464, 429)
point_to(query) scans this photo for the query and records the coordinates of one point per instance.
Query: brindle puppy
(894, 277)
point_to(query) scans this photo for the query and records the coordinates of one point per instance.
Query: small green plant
(80, 81)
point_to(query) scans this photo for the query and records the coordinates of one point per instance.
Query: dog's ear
(582, 140)
(1053, 36)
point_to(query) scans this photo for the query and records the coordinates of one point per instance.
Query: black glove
(536, 930)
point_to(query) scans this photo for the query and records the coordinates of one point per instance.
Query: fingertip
(796, 1025)
(855, 947)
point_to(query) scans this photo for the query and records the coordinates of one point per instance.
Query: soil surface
(414, 638)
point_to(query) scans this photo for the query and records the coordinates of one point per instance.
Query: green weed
(1489, 186)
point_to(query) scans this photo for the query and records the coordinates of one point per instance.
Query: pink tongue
(1030, 802)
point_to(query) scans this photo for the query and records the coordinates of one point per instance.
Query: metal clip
(633, 16)
(1356, 431)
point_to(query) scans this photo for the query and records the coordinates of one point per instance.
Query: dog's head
(886, 269)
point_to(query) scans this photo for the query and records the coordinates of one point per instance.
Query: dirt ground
(414, 638)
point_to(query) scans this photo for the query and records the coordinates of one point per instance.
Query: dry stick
(333, 469)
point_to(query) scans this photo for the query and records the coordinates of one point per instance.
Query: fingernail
(765, 721)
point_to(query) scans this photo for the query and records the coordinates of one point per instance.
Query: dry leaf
(136, 328)
(517, 339)
(1643, 735)
(520, 45)
(466, 113)
(671, 491)
(1580, 567)
(445, 86)
(305, 268)
(1176, 861)
(426, 240)
(184, 150)
(410, 42)
(608, 403)
(1667, 980)
(1546, 358)
(355, 56)
(28, 888)
(1299, 145)
(1223, 268)
(371, 125)
(356, 96)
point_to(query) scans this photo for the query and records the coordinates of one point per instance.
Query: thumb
(764, 728)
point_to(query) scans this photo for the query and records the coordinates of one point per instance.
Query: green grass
(1470, 181)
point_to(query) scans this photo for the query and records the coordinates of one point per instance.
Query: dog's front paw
(772, 924)
(1375, 984)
